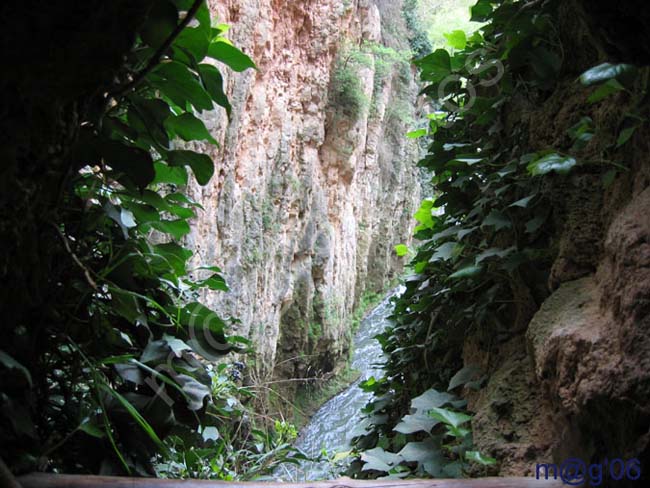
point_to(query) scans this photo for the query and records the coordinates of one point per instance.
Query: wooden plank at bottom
(44, 480)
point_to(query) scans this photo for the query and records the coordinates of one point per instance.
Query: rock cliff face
(315, 181)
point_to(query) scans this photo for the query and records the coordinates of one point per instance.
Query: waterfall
(339, 419)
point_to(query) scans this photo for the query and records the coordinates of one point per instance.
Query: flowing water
(339, 419)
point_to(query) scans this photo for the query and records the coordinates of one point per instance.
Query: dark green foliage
(113, 359)
(485, 250)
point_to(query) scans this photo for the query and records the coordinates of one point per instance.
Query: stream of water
(339, 419)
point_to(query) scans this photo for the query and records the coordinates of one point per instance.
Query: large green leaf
(431, 398)
(201, 164)
(555, 162)
(167, 174)
(435, 66)
(160, 23)
(427, 453)
(481, 11)
(148, 117)
(213, 82)
(607, 71)
(230, 55)
(131, 161)
(449, 417)
(191, 46)
(189, 128)
(177, 228)
(178, 83)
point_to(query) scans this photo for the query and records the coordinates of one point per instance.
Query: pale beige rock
(306, 204)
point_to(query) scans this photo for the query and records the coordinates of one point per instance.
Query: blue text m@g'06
(576, 472)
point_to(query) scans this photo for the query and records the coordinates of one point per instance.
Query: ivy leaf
(201, 164)
(476, 456)
(609, 177)
(498, 220)
(379, 460)
(444, 252)
(625, 135)
(427, 454)
(464, 376)
(189, 128)
(604, 91)
(606, 72)
(467, 272)
(552, 162)
(401, 250)
(465, 232)
(534, 225)
(231, 56)
(431, 398)
(417, 422)
(523, 203)
(492, 252)
(449, 417)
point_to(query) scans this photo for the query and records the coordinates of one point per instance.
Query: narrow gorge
(316, 182)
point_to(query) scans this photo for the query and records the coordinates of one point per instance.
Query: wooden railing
(42, 480)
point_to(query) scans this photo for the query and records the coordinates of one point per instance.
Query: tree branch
(157, 57)
(77, 261)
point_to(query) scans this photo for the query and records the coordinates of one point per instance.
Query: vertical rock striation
(309, 197)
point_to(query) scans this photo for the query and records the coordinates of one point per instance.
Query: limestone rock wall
(307, 201)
